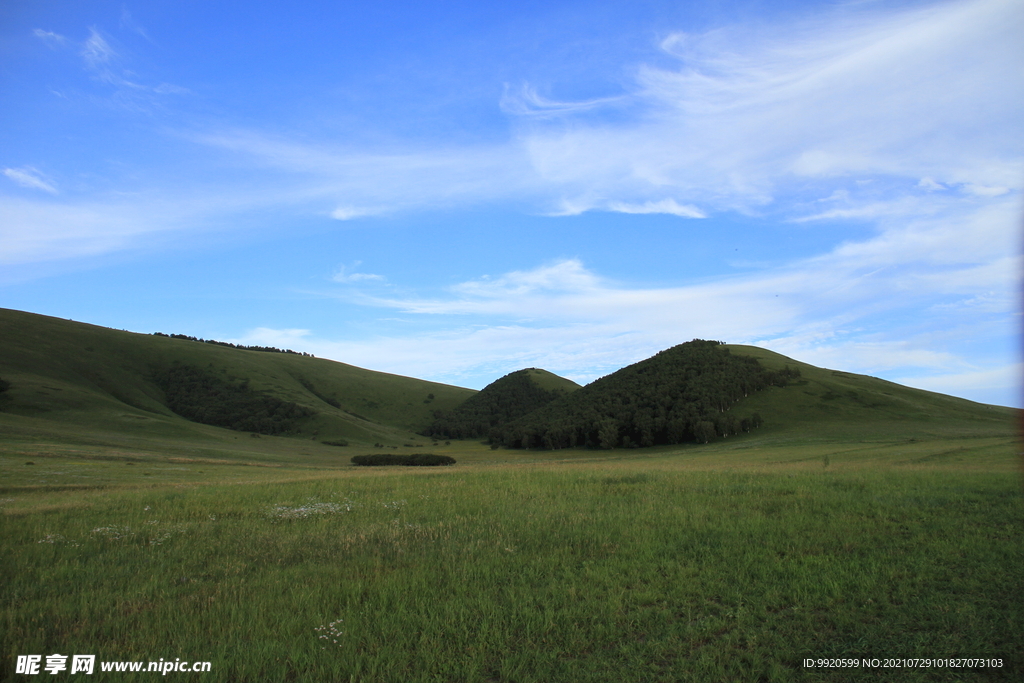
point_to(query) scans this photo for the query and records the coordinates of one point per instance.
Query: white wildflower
(330, 632)
(114, 533)
(309, 508)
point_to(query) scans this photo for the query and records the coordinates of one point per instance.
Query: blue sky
(455, 191)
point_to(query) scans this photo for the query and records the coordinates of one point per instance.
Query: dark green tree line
(201, 396)
(267, 349)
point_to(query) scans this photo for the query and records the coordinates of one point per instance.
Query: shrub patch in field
(418, 459)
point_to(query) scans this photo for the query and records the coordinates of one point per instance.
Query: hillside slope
(69, 373)
(825, 404)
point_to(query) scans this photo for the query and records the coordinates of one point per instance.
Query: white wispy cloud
(171, 89)
(49, 37)
(31, 178)
(128, 22)
(108, 66)
(37, 231)
(361, 183)
(666, 206)
(98, 54)
(930, 184)
(347, 213)
(526, 101)
(344, 276)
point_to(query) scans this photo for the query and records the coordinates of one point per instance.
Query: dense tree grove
(680, 395)
(201, 396)
(4, 385)
(500, 402)
(267, 349)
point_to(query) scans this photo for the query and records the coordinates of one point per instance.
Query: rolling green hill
(514, 395)
(77, 378)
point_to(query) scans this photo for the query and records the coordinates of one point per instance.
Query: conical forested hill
(681, 394)
(514, 395)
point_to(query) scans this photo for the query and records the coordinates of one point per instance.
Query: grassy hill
(830, 405)
(500, 402)
(73, 378)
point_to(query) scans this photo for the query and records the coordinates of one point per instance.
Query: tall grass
(589, 572)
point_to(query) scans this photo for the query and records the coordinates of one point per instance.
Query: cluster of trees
(418, 459)
(4, 385)
(201, 396)
(268, 349)
(500, 402)
(679, 395)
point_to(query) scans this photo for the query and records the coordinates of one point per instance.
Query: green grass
(724, 564)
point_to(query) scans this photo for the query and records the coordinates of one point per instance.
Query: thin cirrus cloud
(344, 276)
(106, 64)
(525, 101)
(31, 178)
(49, 37)
(373, 182)
(96, 52)
(34, 231)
